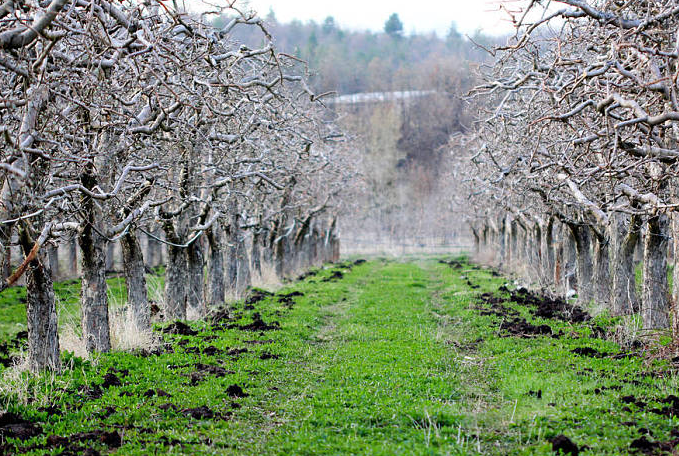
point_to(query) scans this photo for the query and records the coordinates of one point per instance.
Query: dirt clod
(168, 406)
(111, 379)
(14, 426)
(519, 327)
(180, 329)
(335, 275)
(199, 413)
(589, 352)
(236, 391)
(548, 307)
(258, 324)
(565, 445)
(287, 298)
(455, 264)
(257, 295)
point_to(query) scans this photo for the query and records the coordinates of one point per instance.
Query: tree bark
(196, 272)
(135, 279)
(176, 276)
(675, 276)
(94, 301)
(281, 250)
(547, 250)
(582, 238)
(231, 258)
(513, 242)
(216, 289)
(477, 240)
(244, 277)
(655, 304)
(335, 240)
(624, 300)
(150, 252)
(570, 260)
(53, 256)
(41, 312)
(602, 270)
(110, 257)
(73, 257)
(257, 252)
(501, 242)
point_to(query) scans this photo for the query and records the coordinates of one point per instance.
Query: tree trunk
(281, 251)
(547, 250)
(501, 241)
(477, 240)
(73, 257)
(176, 275)
(53, 256)
(110, 257)
(335, 240)
(675, 276)
(7, 262)
(624, 299)
(268, 245)
(570, 259)
(256, 252)
(655, 289)
(231, 258)
(216, 290)
(243, 278)
(41, 312)
(602, 271)
(150, 252)
(196, 272)
(94, 301)
(513, 242)
(135, 279)
(176, 284)
(582, 237)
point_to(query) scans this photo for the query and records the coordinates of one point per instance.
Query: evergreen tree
(393, 26)
(329, 25)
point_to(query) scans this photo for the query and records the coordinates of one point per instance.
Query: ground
(424, 356)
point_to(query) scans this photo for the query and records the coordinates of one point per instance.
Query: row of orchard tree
(573, 166)
(121, 118)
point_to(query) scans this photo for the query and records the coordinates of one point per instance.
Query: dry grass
(19, 386)
(627, 331)
(156, 292)
(126, 335)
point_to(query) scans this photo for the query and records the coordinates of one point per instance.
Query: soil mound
(180, 329)
(547, 307)
(565, 445)
(16, 427)
(258, 324)
(236, 391)
(519, 327)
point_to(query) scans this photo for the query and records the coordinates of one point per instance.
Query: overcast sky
(416, 15)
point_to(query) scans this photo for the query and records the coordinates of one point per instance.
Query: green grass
(395, 358)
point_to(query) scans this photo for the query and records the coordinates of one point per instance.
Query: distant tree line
(350, 61)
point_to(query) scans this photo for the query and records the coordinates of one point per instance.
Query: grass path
(386, 384)
(379, 358)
